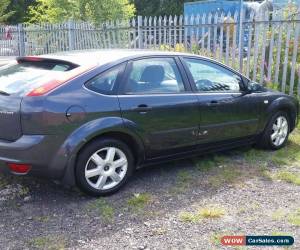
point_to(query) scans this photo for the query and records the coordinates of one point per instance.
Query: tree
(4, 12)
(159, 7)
(20, 8)
(100, 11)
(54, 11)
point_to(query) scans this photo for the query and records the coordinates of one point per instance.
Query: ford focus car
(91, 118)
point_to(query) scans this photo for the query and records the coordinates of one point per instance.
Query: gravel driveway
(186, 204)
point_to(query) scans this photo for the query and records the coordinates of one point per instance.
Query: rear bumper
(39, 151)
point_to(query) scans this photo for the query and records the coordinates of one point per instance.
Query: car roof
(104, 56)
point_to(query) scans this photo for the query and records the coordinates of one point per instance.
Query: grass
(189, 217)
(139, 201)
(184, 179)
(208, 212)
(43, 219)
(276, 233)
(101, 207)
(279, 214)
(294, 218)
(48, 243)
(3, 181)
(211, 212)
(289, 155)
(223, 176)
(209, 162)
(206, 163)
(215, 239)
(289, 177)
(254, 156)
(23, 191)
(244, 163)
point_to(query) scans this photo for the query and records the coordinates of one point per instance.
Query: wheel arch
(285, 105)
(127, 138)
(78, 140)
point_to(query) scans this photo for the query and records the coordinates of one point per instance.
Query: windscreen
(22, 77)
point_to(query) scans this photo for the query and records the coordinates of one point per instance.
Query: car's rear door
(157, 102)
(226, 112)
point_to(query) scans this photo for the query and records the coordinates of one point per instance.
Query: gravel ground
(243, 193)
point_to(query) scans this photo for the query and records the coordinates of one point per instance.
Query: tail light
(54, 83)
(19, 168)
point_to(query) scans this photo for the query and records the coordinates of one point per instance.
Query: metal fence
(268, 50)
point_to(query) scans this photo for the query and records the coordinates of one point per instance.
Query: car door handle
(213, 103)
(142, 108)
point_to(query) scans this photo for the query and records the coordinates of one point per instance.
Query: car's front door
(157, 102)
(226, 112)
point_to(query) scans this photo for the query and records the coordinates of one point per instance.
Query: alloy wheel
(106, 168)
(280, 130)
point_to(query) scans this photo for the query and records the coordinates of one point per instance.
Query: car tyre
(103, 167)
(277, 131)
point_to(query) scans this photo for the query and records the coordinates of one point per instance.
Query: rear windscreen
(24, 76)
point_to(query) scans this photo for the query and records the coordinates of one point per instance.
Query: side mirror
(253, 87)
(247, 92)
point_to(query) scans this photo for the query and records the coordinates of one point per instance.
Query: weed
(42, 218)
(183, 181)
(103, 208)
(215, 238)
(223, 176)
(48, 243)
(189, 217)
(211, 212)
(139, 201)
(288, 177)
(279, 214)
(254, 156)
(294, 218)
(23, 191)
(209, 162)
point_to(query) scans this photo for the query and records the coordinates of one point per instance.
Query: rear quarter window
(105, 83)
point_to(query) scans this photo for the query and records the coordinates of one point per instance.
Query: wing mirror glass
(254, 87)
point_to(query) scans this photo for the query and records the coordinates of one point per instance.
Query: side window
(105, 82)
(154, 75)
(212, 77)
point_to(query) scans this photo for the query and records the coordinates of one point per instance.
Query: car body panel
(169, 126)
(227, 116)
(10, 126)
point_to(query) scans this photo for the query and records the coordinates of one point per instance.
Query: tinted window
(212, 77)
(105, 82)
(154, 75)
(21, 77)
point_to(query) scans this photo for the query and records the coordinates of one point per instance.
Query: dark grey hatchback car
(90, 118)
